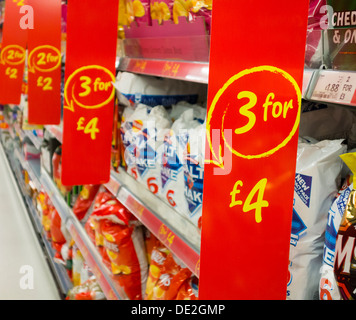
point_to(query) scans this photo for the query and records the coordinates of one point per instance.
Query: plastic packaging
(123, 246)
(149, 149)
(316, 185)
(172, 172)
(345, 258)
(328, 289)
(153, 91)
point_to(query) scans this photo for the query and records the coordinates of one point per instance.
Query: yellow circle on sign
(71, 79)
(241, 74)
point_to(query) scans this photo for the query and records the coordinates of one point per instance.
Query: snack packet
(345, 258)
(316, 185)
(328, 289)
(84, 200)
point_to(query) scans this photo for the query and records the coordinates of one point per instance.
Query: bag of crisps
(150, 243)
(85, 200)
(188, 290)
(162, 270)
(125, 248)
(122, 241)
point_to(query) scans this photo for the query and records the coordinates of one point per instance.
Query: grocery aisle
(24, 272)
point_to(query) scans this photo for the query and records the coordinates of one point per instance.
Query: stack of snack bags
(167, 279)
(119, 238)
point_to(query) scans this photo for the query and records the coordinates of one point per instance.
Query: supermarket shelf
(35, 140)
(180, 70)
(308, 78)
(82, 240)
(56, 131)
(33, 168)
(333, 86)
(175, 232)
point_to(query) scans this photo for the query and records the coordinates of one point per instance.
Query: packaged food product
(46, 211)
(193, 164)
(132, 125)
(174, 148)
(345, 258)
(167, 279)
(103, 197)
(57, 171)
(78, 262)
(153, 91)
(150, 243)
(316, 185)
(125, 248)
(188, 290)
(161, 271)
(122, 244)
(89, 290)
(328, 289)
(85, 200)
(56, 228)
(149, 148)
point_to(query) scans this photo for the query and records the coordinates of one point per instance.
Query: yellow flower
(196, 5)
(180, 9)
(138, 9)
(160, 12)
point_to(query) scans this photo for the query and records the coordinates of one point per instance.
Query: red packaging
(119, 242)
(58, 239)
(103, 197)
(186, 291)
(84, 200)
(57, 171)
(150, 243)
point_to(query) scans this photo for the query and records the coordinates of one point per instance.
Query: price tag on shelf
(335, 86)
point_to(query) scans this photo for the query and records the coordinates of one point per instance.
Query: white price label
(337, 87)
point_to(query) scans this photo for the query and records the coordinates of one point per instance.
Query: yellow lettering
(233, 194)
(260, 203)
(86, 81)
(245, 111)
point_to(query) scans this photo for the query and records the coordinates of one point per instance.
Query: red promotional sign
(252, 129)
(13, 54)
(89, 92)
(44, 63)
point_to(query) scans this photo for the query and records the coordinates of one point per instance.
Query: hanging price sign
(335, 86)
(89, 91)
(44, 63)
(254, 105)
(13, 54)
